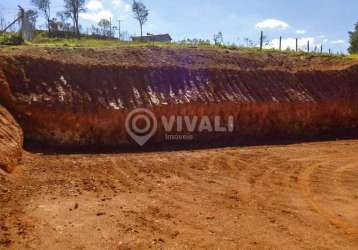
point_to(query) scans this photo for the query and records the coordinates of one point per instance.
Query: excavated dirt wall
(79, 104)
(11, 140)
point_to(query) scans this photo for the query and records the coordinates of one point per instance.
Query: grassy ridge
(42, 40)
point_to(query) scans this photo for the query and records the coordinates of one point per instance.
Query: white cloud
(301, 32)
(97, 16)
(128, 7)
(291, 43)
(96, 11)
(122, 5)
(338, 42)
(117, 2)
(94, 5)
(272, 24)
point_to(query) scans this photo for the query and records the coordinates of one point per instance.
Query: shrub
(12, 39)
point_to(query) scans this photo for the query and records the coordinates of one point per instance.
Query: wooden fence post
(308, 46)
(321, 48)
(261, 40)
(280, 43)
(296, 44)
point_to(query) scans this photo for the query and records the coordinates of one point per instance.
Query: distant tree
(72, 10)
(353, 40)
(105, 26)
(218, 38)
(141, 14)
(247, 40)
(62, 24)
(44, 6)
(252, 44)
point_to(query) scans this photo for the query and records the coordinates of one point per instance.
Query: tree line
(67, 20)
(353, 40)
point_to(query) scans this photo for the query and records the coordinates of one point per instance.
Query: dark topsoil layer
(184, 57)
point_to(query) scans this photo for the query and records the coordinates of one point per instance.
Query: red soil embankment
(81, 97)
(11, 140)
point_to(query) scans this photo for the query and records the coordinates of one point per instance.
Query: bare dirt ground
(302, 196)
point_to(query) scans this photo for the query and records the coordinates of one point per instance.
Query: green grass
(353, 56)
(72, 42)
(89, 42)
(10, 38)
(42, 40)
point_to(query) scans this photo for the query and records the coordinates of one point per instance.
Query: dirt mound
(11, 140)
(81, 97)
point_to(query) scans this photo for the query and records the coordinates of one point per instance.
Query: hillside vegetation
(43, 40)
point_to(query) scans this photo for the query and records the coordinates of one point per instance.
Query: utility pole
(321, 48)
(296, 44)
(119, 29)
(308, 46)
(261, 40)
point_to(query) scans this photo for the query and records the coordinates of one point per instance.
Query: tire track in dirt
(270, 194)
(339, 175)
(305, 183)
(229, 198)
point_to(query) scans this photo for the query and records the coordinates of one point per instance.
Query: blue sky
(324, 22)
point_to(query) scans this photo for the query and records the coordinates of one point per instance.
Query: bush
(195, 42)
(12, 39)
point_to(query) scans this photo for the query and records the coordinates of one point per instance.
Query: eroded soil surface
(80, 98)
(11, 141)
(302, 196)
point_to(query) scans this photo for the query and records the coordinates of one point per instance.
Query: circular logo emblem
(141, 125)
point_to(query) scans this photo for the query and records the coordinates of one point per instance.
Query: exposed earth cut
(80, 97)
(298, 196)
(11, 140)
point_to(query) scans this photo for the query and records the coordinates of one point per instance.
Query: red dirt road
(302, 196)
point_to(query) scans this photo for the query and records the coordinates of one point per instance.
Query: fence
(297, 47)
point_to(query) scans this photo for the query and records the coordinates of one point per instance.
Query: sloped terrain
(11, 140)
(80, 97)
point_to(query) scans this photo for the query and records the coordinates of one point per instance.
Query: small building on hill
(164, 38)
